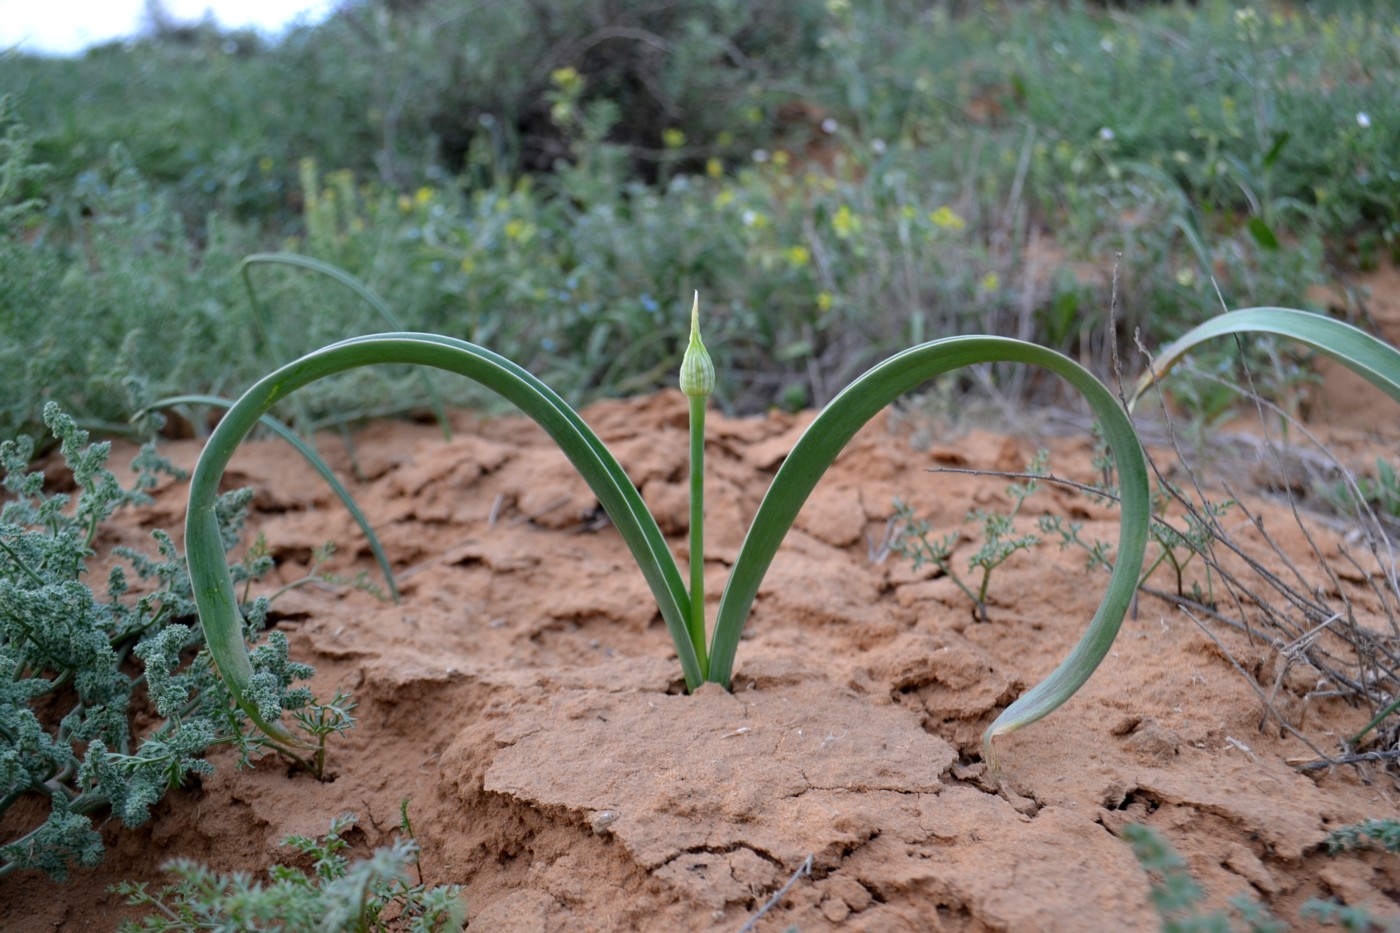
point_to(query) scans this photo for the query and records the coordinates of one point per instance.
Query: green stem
(1161, 558)
(697, 533)
(14, 555)
(1394, 705)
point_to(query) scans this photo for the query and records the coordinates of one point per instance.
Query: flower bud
(697, 370)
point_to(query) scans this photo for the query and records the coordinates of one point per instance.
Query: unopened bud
(697, 370)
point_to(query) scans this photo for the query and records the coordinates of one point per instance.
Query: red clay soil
(524, 699)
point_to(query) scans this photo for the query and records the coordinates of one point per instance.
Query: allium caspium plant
(706, 653)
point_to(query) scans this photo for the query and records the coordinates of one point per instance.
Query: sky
(65, 27)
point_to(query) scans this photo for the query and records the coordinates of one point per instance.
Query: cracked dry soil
(525, 701)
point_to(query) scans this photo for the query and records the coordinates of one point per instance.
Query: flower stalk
(697, 382)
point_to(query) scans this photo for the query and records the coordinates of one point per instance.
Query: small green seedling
(1176, 548)
(999, 538)
(1380, 492)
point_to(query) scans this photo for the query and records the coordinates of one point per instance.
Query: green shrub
(841, 179)
(76, 666)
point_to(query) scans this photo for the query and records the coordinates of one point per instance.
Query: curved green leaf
(1372, 359)
(213, 588)
(312, 457)
(337, 274)
(861, 401)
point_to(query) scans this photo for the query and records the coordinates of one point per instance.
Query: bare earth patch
(525, 701)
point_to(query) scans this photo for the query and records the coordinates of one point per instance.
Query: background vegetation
(551, 179)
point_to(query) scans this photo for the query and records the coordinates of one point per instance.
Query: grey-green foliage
(1384, 833)
(77, 661)
(1381, 492)
(1331, 913)
(337, 896)
(1176, 895)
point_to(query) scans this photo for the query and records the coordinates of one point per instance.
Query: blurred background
(552, 179)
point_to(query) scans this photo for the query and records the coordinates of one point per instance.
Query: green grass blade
(860, 402)
(213, 587)
(337, 274)
(1372, 359)
(312, 457)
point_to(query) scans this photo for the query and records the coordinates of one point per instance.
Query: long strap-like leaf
(213, 587)
(1374, 360)
(335, 273)
(860, 402)
(310, 455)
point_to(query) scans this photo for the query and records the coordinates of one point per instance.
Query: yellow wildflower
(845, 223)
(566, 79)
(945, 218)
(797, 256)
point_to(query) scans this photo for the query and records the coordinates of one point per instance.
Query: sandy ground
(525, 700)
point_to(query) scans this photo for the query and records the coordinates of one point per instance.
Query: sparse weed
(1331, 913)
(1176, 548)
(999, 538)
(1175, 894)
(1380, 491)
(372, 894)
